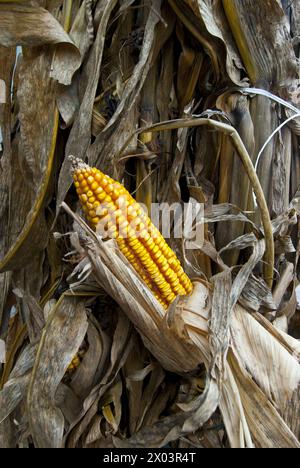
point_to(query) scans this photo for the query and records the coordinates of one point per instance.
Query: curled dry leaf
(176, 426)
(14, 391)
(30, 163)
(268, 45)
(156, 94)
(80, 136)
(212, 15)
(62, 336)
(207, 334)
(32, 26)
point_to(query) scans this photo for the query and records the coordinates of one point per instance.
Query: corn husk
(181, 101)
(237, 350)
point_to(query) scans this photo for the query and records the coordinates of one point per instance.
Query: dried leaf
(16, 387)
(32, 26)
(79, 139)
(175, 426)
(28, 199)
(62, 336)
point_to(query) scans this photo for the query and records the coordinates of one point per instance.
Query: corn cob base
(112, 211)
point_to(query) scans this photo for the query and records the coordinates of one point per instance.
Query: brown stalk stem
(185, 17)
(249, 168)
(67, 16)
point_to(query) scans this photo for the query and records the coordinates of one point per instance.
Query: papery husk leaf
(217, 368)
(33, 26)
(68, 402)
(8, 436)
(259, 351)
(113, 137)
(62, 336)
(37, 146)
(270, 46)
(117, 352)
(80, 137)
(12, 344)
(175, 426)
(267, 427)
(15, 389)
(243, 438)
(188, 324)
(213, 16)
(85, 375)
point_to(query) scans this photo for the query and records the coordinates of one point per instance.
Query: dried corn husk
(194, 331)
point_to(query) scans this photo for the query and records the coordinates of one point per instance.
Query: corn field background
(182, 101)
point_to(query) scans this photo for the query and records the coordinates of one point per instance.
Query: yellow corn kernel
(104, 182)
(101, 196)
(109, 188)
(115, 194)
(94, 186)
(74, 364)
(98, 177)
(98, 191)
(83, 198)
(84, 189)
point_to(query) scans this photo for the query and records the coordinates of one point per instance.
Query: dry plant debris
(181, 101)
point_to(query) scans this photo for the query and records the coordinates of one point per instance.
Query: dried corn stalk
(182, 101)
(183, 336)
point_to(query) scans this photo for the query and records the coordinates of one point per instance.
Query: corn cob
(74, 364)
(76, 361)
(109, 207)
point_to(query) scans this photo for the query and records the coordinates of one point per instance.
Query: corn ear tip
(76, 164)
